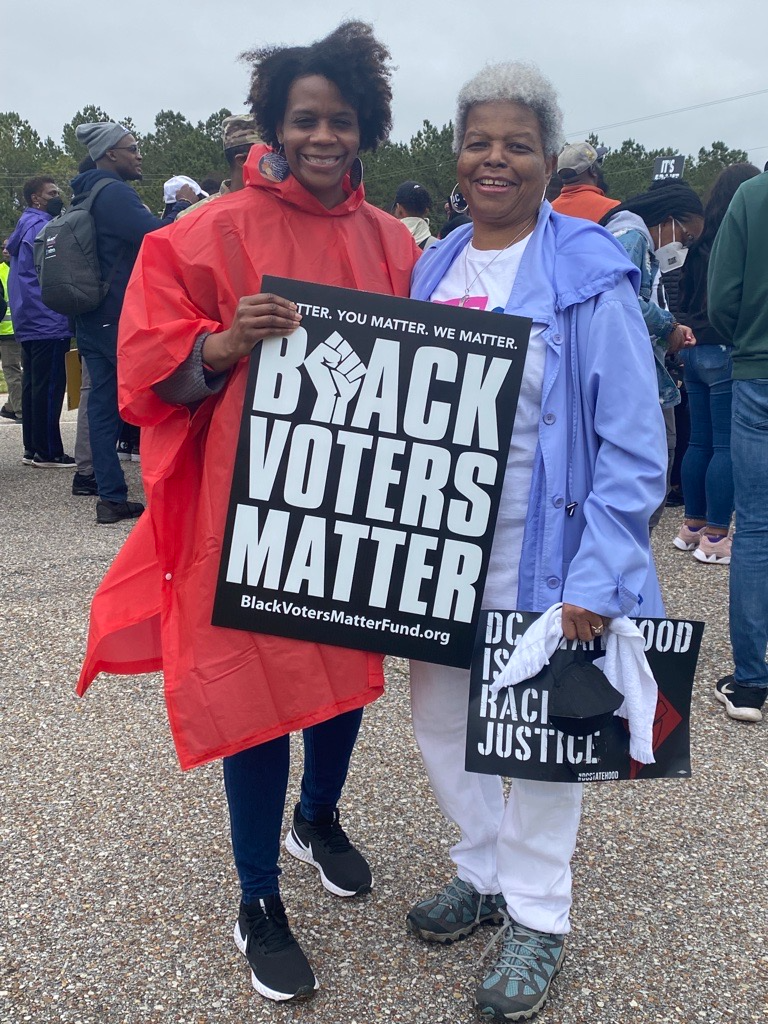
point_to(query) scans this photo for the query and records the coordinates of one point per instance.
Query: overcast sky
(611, 60)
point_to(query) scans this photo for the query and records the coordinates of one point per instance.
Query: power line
(665, 113)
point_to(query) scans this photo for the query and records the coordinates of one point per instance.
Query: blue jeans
(256, 782)
(707, 474)
(749, 561)
(98, 346)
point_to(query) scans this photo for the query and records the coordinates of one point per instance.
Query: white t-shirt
(490, 275)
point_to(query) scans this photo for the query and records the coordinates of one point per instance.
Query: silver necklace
(467, 283)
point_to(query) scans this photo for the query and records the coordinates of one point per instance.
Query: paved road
(119, 894)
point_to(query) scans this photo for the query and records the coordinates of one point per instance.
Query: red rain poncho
(225, 689)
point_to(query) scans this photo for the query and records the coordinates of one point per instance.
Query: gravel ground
(119, 890)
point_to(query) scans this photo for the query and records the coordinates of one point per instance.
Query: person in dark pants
(666, 289)
(44, 335)
(192, 315)
(121, 221)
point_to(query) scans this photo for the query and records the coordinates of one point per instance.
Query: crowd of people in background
(38, 339)
(695, 273)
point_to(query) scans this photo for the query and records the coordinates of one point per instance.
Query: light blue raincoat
(600, 464)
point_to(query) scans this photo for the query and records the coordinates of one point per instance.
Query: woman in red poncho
(193, 313)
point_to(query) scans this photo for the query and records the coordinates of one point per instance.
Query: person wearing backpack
(44, 335)
(121, 221)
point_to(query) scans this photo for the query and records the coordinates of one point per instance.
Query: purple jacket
(32, 320)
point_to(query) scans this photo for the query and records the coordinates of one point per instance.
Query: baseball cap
(239, 130)
(413, 195)
(575, 158)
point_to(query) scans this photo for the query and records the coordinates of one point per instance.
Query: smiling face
(502, 169)
(321, 137)
(124, 159)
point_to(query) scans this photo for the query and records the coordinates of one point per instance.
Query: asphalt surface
(119, 894)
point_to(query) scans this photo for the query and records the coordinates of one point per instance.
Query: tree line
(177, 146)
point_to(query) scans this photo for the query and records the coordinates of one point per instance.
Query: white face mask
(672, 255)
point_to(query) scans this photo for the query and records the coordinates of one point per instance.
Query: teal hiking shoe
(454, 913)
(517, 986)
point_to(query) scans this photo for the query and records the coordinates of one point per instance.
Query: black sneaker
(279, 969)
(84, 485)
(56, 462)
(741, 702)
(8, 414)
(324, 844)
(124, 451)
(108, 512)
(28, 458)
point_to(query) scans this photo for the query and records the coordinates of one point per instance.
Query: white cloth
(419, 228)
(498, 270)
(172, 186)
(535, 648)
(624, 665)
(521, 847)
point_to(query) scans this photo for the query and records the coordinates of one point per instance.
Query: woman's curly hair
(351, 57)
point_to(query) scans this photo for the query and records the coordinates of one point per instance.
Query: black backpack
(67, 261)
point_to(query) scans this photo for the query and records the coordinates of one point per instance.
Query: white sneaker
(716, 551)
(687, 539)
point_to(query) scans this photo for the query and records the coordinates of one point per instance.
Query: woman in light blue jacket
(585, 470)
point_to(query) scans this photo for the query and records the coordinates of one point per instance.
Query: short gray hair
(513, 82)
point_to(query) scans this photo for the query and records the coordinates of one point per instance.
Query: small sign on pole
(668, 167)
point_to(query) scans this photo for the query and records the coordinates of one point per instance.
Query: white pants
(521, 847)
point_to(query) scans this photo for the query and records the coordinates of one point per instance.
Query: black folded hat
(581, 699)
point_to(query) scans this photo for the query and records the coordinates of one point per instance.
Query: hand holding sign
(513, 733)
(582, 624)
(336, 371)
(369, 466)
(256, 317)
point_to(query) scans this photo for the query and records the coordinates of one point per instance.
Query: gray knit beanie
(100, 137)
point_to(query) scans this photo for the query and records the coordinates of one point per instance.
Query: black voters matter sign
(369, 467)
(510, 734)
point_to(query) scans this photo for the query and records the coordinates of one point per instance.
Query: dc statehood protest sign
(510, 734)
(369, 468)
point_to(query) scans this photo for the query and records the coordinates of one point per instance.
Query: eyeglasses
(131, 149)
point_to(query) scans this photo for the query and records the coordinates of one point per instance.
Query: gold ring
(597, 630)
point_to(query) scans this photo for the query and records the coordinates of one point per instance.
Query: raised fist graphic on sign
(336, 372)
